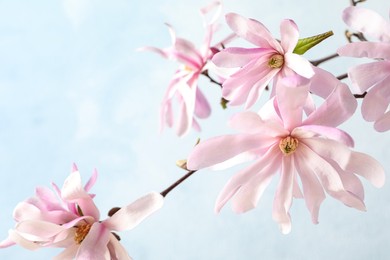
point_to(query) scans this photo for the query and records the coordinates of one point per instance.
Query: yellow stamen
(81, 232)
(288, 145)
(276, 61)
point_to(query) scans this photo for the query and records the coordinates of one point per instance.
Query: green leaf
(306, 44)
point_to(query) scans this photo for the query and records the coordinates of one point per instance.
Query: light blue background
(73, 89)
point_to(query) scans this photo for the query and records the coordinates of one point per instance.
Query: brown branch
(319, 61)
(360, 95)
(342, 76)
(174, 185)
(206, 73)
(355, 2)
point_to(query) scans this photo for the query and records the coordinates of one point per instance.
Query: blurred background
(73, 88)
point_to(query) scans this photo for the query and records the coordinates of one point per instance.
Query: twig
(342, 76)
(174, 185)
(319, 61)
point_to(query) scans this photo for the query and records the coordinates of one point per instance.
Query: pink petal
(222, 148)
(68, 253)
(323, 82)
(258, 168)
(377, 100)
(291, 108)
(367, 167)
(299, 64)
(238, 57)
(373, 50)
(130, 216)
(91, 181)
(117, 251)
(248, 195)
(340, 104)
(383, 123)
(289, 35)
(329, 177)
(283, 195)
(366, 75)
(312, 189)
(21, 241)
(7, 243)
(252, 31)
(329, 132)
(377, 27)
(202, 106)
(38, 230)
(94, 246)
(259, 87)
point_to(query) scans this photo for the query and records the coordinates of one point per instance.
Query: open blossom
(68, 218)
(183, 87)
(373, 77)
(254, 68)
(311, 154)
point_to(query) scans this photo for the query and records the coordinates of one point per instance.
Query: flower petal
(329, 132)
(222, 148)
(377, 27)
(377, 100)
(383, 123)
(366, 75)
(130, 216)
(117, 251)
(299, 64)
(340, 104)
(252, 31)
(94, 246)
(233, 57)
(259, 167)
(283, 195)
(373, 50)
(289, 35)
(291, 108)
(312, 189)
(202, 106)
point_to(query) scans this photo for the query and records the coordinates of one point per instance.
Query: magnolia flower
(311, 154)
(373, 77)
(68, 218)
(256, 67)
(183, 87)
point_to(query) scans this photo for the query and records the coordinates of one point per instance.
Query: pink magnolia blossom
(373, 77)
(254, 68)
(311, 154)
(68, 218)
(183, 87)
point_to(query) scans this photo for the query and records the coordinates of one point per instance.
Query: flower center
(276, 61)
(288, 145)
(81, 232)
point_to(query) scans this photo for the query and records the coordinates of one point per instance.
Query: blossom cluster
(292, 137)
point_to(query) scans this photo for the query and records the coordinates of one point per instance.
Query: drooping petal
(94, 246)
(367, 167)
(337, 108)
(202, 106)
(312, 189)
(377, 27)
(329, 177)
(17, 238)
(7, 243)
(383, 123)
(117, 251)
(250, 193)
(283, 195)
(222, 148)
(68, 253)
(131, 215)
(323, 82)
(252, 31)
(366, 75)
(289, 35)
(299, 64)
(373, 50)
(245, 176)
(377, 100)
